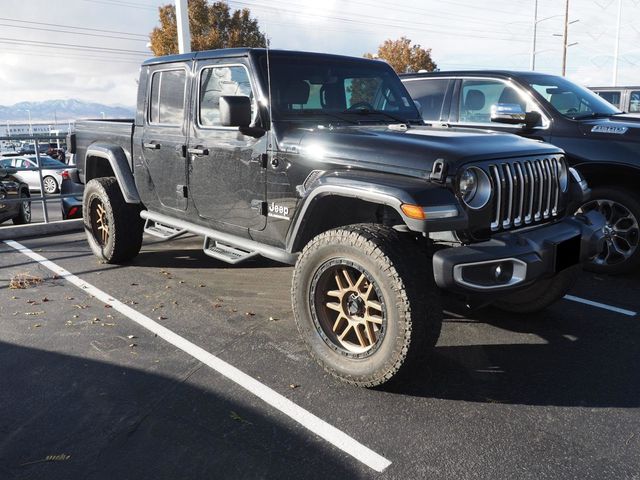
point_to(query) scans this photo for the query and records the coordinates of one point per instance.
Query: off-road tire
(631, 201)
(403, 275)
(122, 220)
(541, 294)
(24, 215)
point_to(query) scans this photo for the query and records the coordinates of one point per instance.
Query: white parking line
(305, 418)
(629, 313)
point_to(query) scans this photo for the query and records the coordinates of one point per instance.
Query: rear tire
(365, 303)
(24, 215)
(541, 294)
(50, 185)
(113, 227)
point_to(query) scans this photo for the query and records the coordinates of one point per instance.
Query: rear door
(164, 137)
(226, 168)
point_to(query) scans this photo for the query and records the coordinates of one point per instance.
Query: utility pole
(565, 37)
(182, 19)
(617, 47)
(532, 65)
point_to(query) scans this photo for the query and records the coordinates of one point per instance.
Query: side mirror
(235, 111)
(512, 114)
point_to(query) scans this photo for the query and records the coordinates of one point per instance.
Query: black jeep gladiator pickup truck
(323, 161)
(599, 140)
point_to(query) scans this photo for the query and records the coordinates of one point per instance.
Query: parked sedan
(51, 172)
(12, 188)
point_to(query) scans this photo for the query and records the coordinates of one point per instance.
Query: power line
(74, 33)
(73, 46)
(73, 27)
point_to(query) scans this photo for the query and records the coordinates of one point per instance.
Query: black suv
(599, 140)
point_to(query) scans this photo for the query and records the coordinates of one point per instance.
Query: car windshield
(569, 99)
(337, 91)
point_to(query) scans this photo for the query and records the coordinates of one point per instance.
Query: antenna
(268, 42)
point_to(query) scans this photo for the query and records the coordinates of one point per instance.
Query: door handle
(199, 150)
(151, 145)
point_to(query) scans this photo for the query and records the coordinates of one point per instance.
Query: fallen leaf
(162, 318)
(201, 285)
(24, 280)
(180, 281)
(273, 319)
(133, 345)
(68, 298)
(107, 306)
(249, 314)
(294, 385)
(34, 313)
(14, 298)
(81, 307)
(131, 336)
(37, 325)
(238, 418)
(45, 299)
(216, 305)
(134, 284)
(76, 316)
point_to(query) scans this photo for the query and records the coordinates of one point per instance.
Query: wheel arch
(103, 160)
(613, 174)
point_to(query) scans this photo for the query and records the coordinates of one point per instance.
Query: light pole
(617, 47)
(532, 63)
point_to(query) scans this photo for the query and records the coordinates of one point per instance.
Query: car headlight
(474, 187)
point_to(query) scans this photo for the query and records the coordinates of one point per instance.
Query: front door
(226, 168)
(476, 96)
(164, 137)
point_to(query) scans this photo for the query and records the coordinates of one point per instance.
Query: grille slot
(525, 192)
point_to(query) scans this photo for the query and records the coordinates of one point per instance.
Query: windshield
(569, 99)
(338, 91)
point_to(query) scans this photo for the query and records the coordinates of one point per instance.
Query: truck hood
(413, 150)
(618, 128)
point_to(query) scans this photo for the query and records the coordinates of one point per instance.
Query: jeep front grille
(525, 191)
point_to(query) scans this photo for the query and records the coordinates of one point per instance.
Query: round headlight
(468, 184)
(474, 187)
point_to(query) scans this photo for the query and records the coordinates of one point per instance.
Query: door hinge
(183, 189)
(264, 158)
(261, 206)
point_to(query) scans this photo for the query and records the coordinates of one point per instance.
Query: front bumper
(516, 259)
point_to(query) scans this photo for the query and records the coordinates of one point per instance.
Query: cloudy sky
(91, 49)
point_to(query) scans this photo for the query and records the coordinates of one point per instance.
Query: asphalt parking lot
(103, 394)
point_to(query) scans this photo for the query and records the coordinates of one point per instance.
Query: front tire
(365, 303)
(24, 215)
(541, 294)
(113, 227)
(621, 209)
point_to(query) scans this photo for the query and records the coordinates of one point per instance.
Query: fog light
(503, 272)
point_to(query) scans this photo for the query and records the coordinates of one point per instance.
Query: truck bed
(112, 131)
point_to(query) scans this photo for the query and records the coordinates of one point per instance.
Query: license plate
(568, 253)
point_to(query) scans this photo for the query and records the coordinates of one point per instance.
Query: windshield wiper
(593, 115)
(312, 113)
(367, 111)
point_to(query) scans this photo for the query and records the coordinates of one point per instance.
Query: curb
(38, 229)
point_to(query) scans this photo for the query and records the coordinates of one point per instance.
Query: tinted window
(478, 96)
(167, 97)
(612, 97)
(430, 94)
(634, 102)
(221, 81)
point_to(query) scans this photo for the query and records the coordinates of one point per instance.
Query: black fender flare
(119, 162)
(384, 189)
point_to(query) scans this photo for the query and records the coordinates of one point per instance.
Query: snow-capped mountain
(71, 109)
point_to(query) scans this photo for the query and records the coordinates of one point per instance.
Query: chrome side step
(221, 245)
(160, 230)
(226, 253)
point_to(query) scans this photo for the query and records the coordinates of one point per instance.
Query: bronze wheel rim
(348, 308)
(99, 222)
